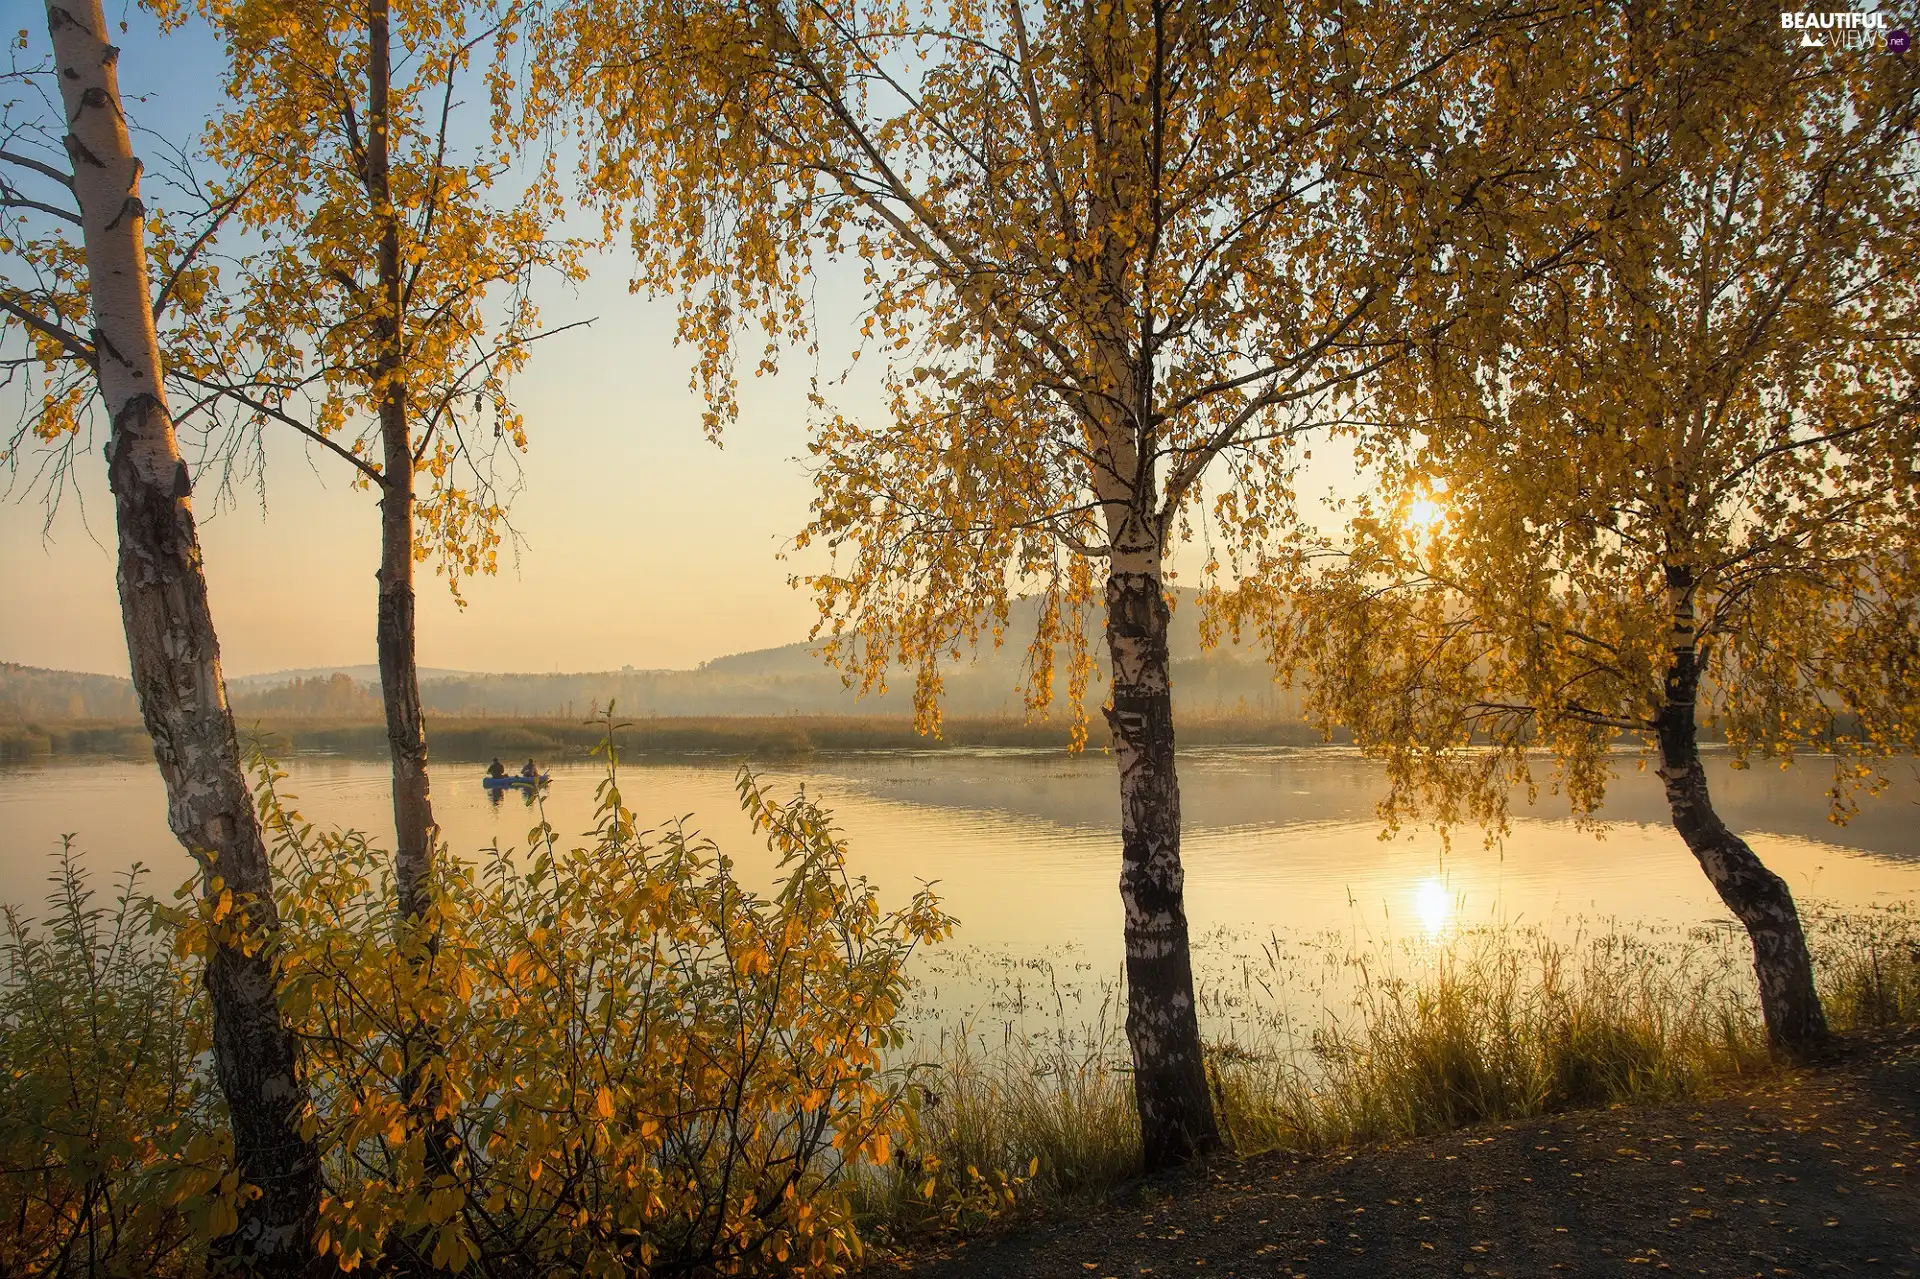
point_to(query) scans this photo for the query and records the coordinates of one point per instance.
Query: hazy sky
(646, 545)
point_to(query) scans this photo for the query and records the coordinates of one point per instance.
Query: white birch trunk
(175, 658)
(1177, 1122)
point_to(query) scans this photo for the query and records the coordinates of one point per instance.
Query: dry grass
(1406, 1040)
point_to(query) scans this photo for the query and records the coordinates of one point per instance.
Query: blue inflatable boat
(512, 780)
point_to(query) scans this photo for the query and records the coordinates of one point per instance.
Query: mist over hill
(789, 680)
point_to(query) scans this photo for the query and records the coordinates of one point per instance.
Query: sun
(1424, 514)
(1427, 513)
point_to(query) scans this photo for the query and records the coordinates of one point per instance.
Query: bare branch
(264, 409)
(75, 346)
(45, 170)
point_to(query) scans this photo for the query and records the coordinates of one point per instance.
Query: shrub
(602, 1060)
(112, 1149)
(631, 1060)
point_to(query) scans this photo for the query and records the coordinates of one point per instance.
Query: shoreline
(466, 739)
(1801, 1170)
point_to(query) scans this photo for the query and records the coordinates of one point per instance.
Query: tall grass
(1409, 1040)
(1507, 1023)
(997, 1130)
(111, 1148)
(1869, 964)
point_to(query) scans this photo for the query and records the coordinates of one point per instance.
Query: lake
(1280, 842)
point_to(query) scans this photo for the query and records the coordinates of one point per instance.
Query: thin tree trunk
(394, 631)
(175, 658)
(1169, 1077)
(400, 691)
(1758, 898)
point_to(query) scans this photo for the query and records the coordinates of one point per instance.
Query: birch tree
(46, 357)
(390, 304)
(1109, 251)
(171, 644)
(1675, 481)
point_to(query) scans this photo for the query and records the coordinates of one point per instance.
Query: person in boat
(496, 769)
(528, 770)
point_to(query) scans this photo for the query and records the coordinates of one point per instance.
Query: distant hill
(794, 680)
(789, 680)
(34, 693)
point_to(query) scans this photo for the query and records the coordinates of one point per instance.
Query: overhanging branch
(74, 345)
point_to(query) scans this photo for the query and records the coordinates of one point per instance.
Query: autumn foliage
(110, 1137)
(646, 1065)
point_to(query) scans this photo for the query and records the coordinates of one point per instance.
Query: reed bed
(1332, 1041)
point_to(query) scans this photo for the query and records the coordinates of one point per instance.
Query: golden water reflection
(1432, 907)
(1278, 845)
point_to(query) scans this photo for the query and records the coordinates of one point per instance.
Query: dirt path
(1815, 1173)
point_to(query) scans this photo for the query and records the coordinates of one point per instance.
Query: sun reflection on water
(1432, 906)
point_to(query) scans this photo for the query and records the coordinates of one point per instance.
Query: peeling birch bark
(1759, 899)
(175, 658)
(1169, 1076)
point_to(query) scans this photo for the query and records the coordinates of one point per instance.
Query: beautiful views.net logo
(1846, 30)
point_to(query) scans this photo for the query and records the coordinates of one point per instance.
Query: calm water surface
(1025, 851)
